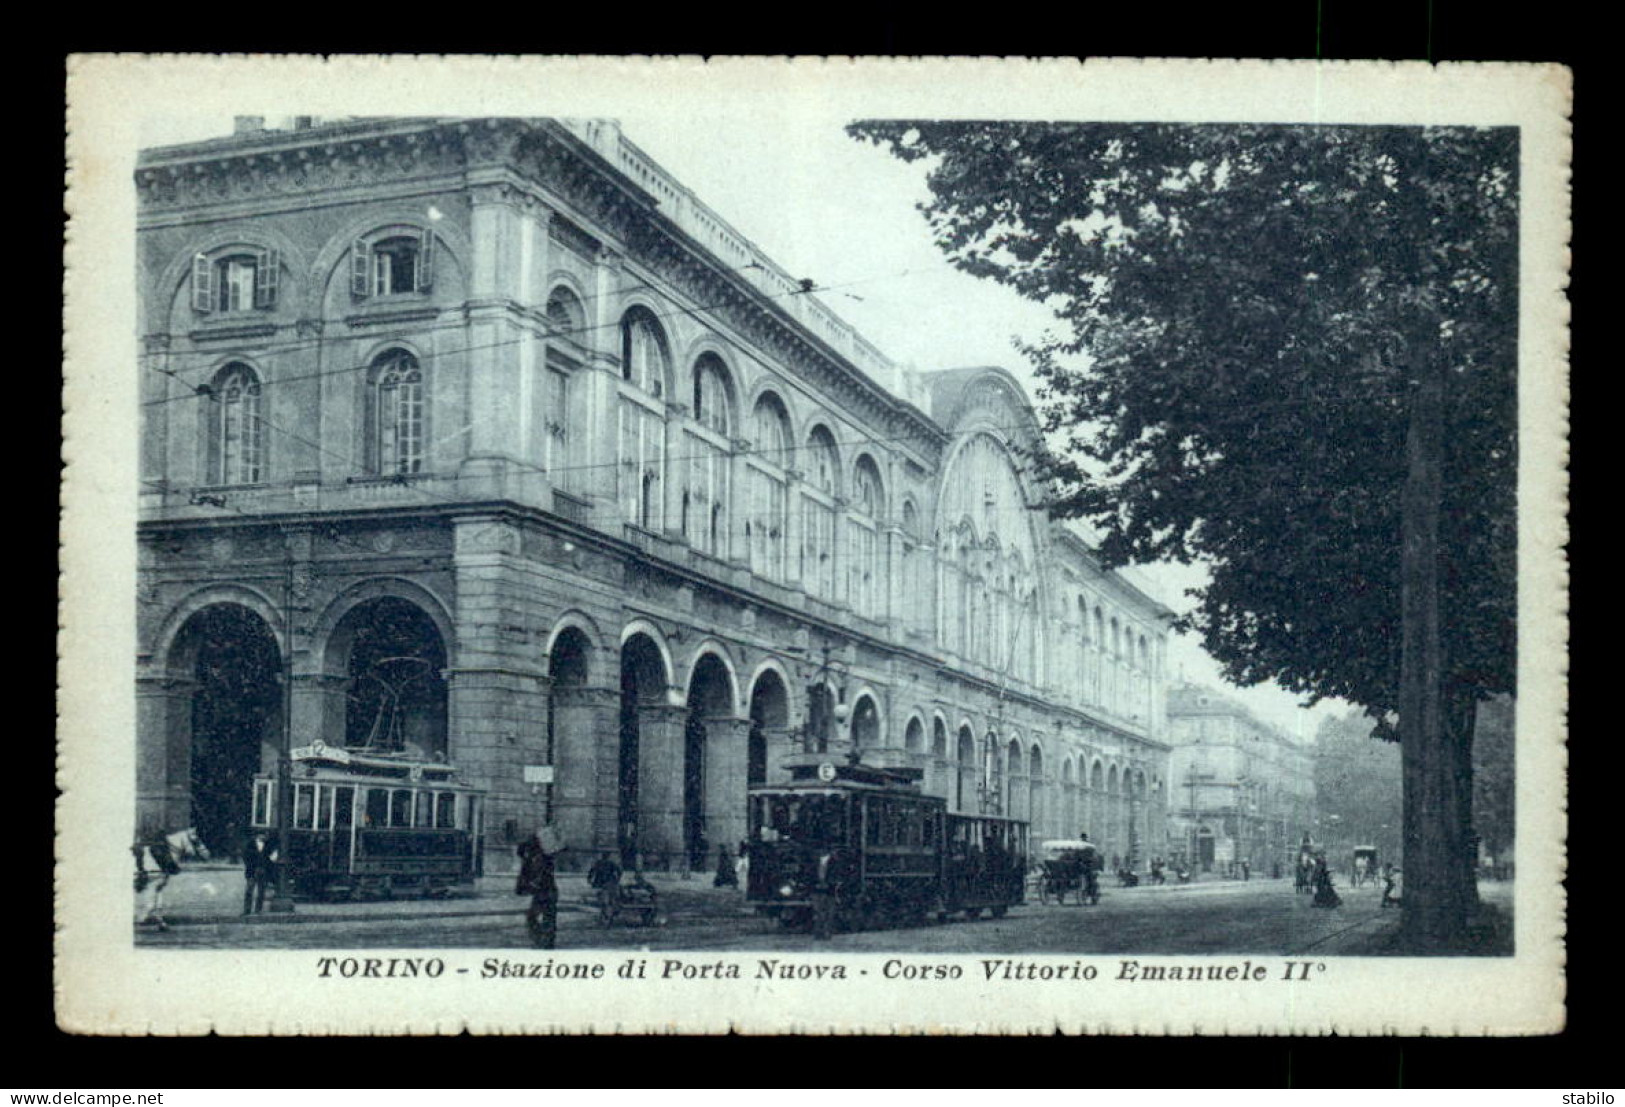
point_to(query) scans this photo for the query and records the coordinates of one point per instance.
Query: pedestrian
(742, 866)
(1325, 894)
(823, 896)
(604, 878)
(726, 876)
(1390, 878)
(1091, 871)
(536, 857)
(259, 870)
(1246, 870)
(1156, 871)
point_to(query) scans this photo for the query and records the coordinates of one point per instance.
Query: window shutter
(360, 269)
(202, 284)
(266, 271)
(425, 273)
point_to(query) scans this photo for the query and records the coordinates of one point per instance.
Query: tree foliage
(1243, 312)
(1357, 786)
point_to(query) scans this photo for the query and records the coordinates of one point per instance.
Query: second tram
(882, 848)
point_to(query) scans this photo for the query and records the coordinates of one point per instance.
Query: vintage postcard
(813, 546)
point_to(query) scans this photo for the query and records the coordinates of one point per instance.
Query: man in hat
(536, 856)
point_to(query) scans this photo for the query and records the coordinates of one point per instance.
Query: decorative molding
(234, 332)
(312, 162)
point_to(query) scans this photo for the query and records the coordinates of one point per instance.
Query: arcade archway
(643, 685)
(235, 716)
(395, 661)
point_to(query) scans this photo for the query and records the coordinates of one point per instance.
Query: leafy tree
(1357, 786)
(1246, 315)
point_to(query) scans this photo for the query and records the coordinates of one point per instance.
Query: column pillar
(497, 696)
(319, 710)
(727, 738)
(586, 767)
(163, 751)
(660, 784)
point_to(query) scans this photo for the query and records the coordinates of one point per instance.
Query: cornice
(206, 175)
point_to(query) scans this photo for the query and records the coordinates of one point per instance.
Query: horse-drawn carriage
(1067, 866)
(1364, 867)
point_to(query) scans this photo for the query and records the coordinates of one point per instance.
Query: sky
(844, 214)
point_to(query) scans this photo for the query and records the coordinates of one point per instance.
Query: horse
(156, 860)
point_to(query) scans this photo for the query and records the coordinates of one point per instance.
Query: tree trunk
(1437, 766)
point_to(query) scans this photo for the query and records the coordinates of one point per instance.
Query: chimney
(247, 124)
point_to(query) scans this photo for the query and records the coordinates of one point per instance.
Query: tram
(890, 851)
(372, 824)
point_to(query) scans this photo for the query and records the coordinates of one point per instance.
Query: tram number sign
(826, 772)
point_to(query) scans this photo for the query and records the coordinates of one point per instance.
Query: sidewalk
(213, 894)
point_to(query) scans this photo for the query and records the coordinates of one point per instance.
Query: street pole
(282, 900)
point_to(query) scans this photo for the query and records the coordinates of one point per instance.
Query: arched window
(397, 414)
(235, 278)
(711, 394)
(823, 461)
(236, 433)
(868, 496)
(564, 311)
(818, 547)
(770, 429)
(643, 351)
(768, 518)
(394, 262)
(641, 423)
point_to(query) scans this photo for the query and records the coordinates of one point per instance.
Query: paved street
(1261, 916)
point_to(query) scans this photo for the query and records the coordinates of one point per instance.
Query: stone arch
(775, 665)
(712, 647)
(914, 734)
(212, 723)
(865, 726)
(711, 812)
(574, 620)
(643, 628)
(966, 768)
(163, 650)
(939, 736)
(329, 645)
(451, 245)
(393, 658)
(291, 302)
(637, 310)
(770, 715)
(566, 307)
(1037, 810)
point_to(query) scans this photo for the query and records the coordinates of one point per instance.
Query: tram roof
(377, 768)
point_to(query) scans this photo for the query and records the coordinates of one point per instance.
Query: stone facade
(1240, 788)
(486, 440)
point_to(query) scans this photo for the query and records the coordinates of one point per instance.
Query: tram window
(324, 808)
(262, 803)
(304, 806)
(423, 814)
(400, 807)
(474, 813)
(377, 807)
(343, 807)
(445, 809)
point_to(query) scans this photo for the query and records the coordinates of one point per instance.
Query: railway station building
(1241, 789)
(487, 442)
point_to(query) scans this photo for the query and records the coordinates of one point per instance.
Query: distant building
(1241, 789)
(486, 441)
